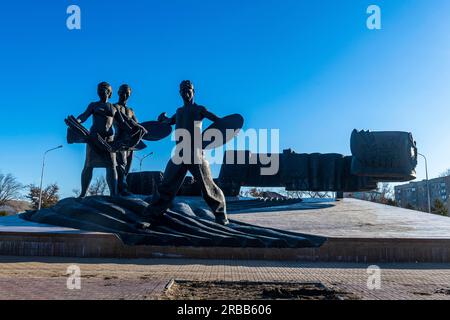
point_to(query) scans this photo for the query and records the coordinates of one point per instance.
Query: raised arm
(163, 118)
(209, 115)
(85, 115)
(134, 118)
(118, 117)
(136, 122)
(126, 122)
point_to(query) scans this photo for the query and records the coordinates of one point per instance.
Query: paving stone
(46, 278)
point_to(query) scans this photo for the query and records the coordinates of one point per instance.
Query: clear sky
(310, 68)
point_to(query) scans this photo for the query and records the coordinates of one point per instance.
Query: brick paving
(46, 278)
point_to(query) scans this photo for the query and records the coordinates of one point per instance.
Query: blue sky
(310, 68)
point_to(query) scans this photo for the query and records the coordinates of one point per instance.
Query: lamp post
(428, 184)
(141, 159)
(42, 175)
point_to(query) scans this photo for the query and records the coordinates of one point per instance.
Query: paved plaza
(46, 278)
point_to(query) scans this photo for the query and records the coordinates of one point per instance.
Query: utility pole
(141, 159)
(42, 175)
(428, 183)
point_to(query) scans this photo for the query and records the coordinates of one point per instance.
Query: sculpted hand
(143, 129)
(163, 117)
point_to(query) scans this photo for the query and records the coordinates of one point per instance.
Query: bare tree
(262, 193)
(386, 191)
(318, 195)
(244, 193)
(295, 194)
(439, 208)
(98, 188)
(49, 195)
(255, 192)
(76, 192)
(384, 194)
(9, 188)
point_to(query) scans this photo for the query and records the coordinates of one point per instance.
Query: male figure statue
(102, 113)
(188, 118)
(122, 130)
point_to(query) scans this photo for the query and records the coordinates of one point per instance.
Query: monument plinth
(355, 231)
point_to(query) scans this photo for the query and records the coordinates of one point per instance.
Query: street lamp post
(142, 159)
(428, 184)
(42, 175)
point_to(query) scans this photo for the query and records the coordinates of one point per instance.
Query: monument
(171, 214)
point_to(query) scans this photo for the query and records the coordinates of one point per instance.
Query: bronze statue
(189, 118)
(102, 113)
(124, 157)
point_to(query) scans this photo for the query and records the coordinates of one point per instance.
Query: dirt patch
(422, 293)
(443, 291)
(220, 290)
